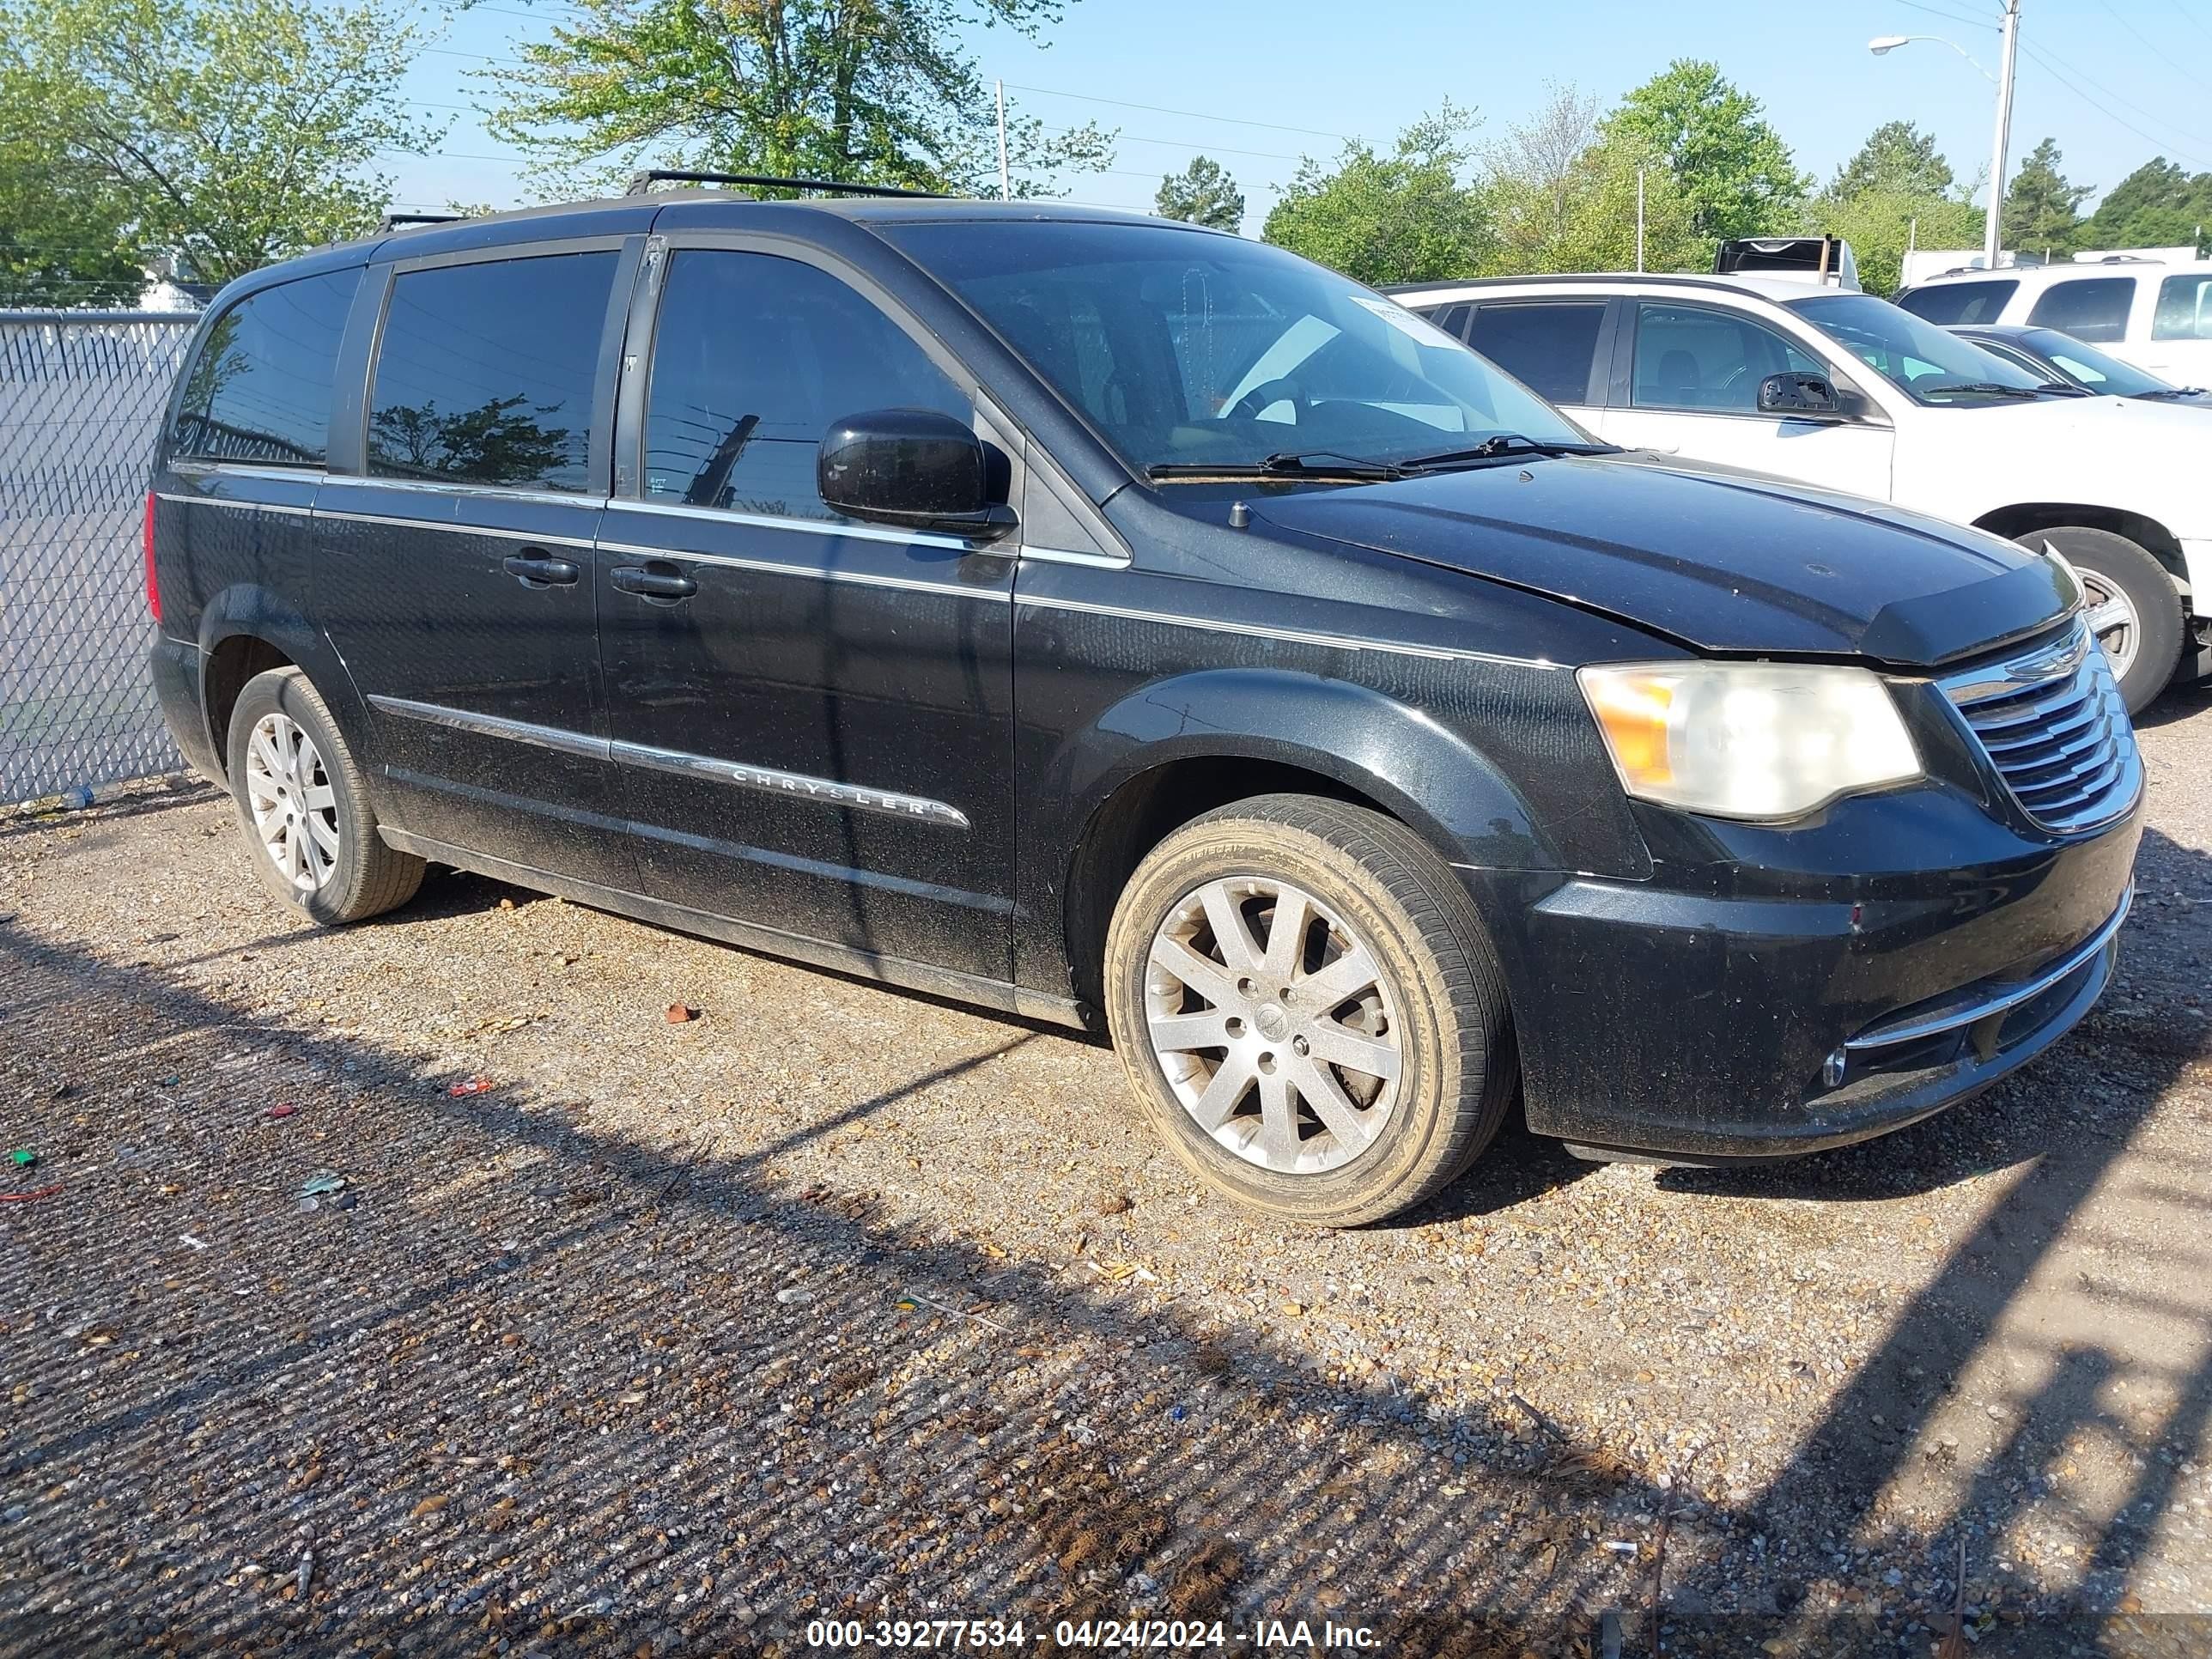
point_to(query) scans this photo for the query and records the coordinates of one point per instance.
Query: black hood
(1723, 562)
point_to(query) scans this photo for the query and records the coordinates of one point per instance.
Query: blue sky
(1256, 84)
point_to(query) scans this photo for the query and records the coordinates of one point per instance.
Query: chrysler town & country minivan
(1119, 624)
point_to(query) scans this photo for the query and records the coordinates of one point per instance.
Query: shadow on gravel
(552, 1386)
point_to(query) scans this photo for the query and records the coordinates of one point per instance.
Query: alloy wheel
(295, 811)
(1274, 1023)
(2111, 618)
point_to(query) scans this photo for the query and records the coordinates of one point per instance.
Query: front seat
(1678, 380)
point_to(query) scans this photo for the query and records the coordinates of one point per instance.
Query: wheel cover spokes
(2113, 620)
(293, 807)
(1274, 1024)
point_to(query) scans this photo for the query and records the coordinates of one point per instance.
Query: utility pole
(1993, 227)
(1639, 219)
(1005, 185)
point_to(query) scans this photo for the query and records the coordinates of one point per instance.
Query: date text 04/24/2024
(1128, 1634)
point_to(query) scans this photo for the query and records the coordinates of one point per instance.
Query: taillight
(153, 587)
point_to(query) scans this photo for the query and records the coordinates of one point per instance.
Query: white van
(1846, 391)
(2156, 316)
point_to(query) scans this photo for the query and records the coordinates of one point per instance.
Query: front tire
(1308, 1007)
(2133, 607)
(304, 806)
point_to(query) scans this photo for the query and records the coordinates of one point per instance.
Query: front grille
(2051, 722)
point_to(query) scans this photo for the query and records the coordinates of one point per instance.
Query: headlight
(1748, 740)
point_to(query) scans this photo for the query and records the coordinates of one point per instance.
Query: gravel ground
(631, 1336)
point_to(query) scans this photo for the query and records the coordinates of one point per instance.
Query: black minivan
(1107, 620)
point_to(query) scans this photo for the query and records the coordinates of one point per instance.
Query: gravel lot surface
(838, 1302)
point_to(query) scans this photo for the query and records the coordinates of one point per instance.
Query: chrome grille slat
(2051, 722)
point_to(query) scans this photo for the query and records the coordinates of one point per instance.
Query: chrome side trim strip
(865, 533)
(1295, 636)
(860, 578)
(494, 726)
(473, 491)
(189, 468)
(1950, 1019)
(677, 761)
(502, 533)
(769, 779)
(227, 500)
(1069, 555)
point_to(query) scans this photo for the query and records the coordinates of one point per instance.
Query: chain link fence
(80, 395)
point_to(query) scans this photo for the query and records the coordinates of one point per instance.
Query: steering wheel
(1248, 406)
(1738, 378)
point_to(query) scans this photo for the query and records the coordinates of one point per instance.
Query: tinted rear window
(485, 372)
(1547, 348)
(2185, 309)
(2092, 308)
(260, 389)
(1953, 303)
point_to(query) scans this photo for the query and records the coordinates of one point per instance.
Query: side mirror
(914, 468)
(1797, 394)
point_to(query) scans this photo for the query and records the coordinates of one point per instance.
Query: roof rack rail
(392, 222)
(642, 184)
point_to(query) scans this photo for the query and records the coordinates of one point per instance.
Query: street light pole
(1993, 227)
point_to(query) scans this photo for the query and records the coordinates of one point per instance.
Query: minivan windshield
(1188, 351)
(1932, 365)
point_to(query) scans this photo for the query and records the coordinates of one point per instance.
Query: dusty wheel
(2133, 607)
(1307, 1004)
(304, 808)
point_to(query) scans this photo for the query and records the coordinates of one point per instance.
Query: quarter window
(260, 389)
(1690, 357)
(1451, 319)
(753, 358)
(2185, 309)
(485, 372)
(2092, 308)
(1547, 348)
(1950, 305)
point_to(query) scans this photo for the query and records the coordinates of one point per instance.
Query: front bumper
(1704, 1019)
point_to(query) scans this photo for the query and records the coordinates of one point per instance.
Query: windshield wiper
(2172, 392)
(1503, 445)
(1985, 388)
(1324, 466)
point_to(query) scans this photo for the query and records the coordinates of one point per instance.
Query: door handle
(663, 582)
(536, 570)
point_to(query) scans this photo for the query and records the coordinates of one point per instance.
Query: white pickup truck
(1845, 390)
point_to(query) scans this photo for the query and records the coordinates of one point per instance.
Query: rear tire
(1252, 1057)
(304, 808)
(2133, 606)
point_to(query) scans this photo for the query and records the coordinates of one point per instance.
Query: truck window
(2185, 309)
(260, 389)
(1947, 305)
(2088, 308)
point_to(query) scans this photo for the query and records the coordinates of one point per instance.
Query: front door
(1693, 392)
(811, 718)
(453, 574)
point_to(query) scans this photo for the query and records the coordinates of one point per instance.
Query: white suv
(1846, 391)
(2156, 316)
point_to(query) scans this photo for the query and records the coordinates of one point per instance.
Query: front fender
(1428, 776)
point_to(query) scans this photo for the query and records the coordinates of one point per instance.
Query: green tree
(2157, 205)
(864, 91)
(1403, 217)
(1203, 193)
(229, 132)
(2042, 209)
(1896, 158)
(66, 237)
(1562, 200)
(1736, 173)
(1881, 224)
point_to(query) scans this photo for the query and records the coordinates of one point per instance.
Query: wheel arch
(247, 629)
(1178, 749)
(2025, 518)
